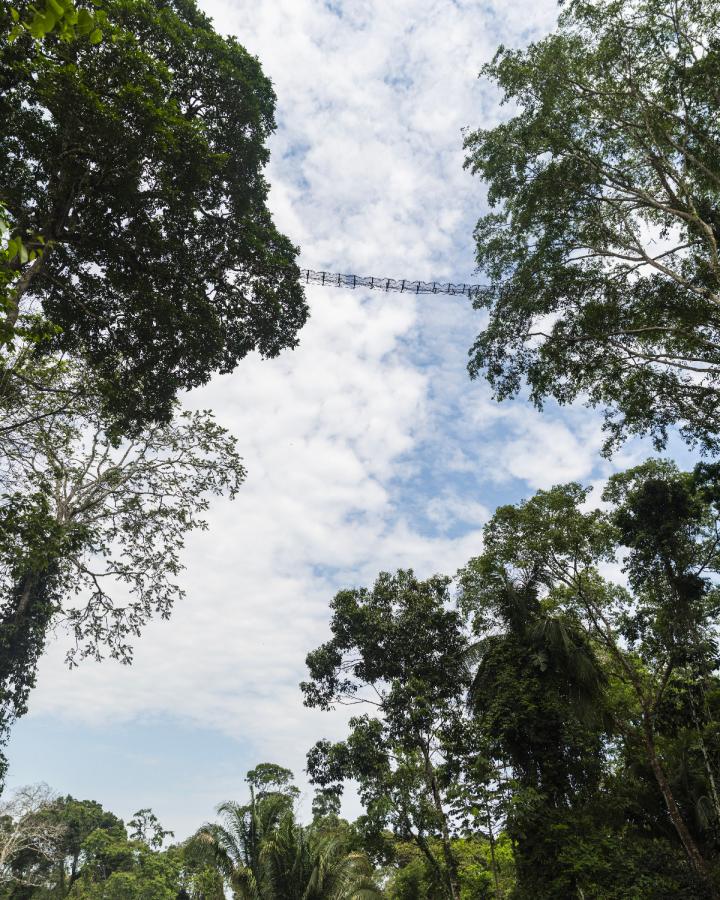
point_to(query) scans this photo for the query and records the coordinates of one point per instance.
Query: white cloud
(323, 431)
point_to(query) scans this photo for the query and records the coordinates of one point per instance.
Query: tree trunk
(21, 286)
(493, 861)
(425, 849)
(24, 623)
(696, 859)
(451, 877)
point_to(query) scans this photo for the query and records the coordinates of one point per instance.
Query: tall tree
(657, 633)
(602, 253)
(92, 530)
(538, 694)
(237, 842)
(131, 175)
(400, 648)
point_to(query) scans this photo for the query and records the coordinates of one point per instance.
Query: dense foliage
(131, 176)
(76, 849)
(563, 703)
(602, 253)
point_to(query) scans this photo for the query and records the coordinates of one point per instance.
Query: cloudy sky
(368, 448)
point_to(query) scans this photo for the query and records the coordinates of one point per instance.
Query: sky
(368, 448)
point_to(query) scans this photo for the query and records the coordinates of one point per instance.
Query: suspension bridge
(397, 285)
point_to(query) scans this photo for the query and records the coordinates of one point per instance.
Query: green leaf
(85, 20)
(42, 24)
(95, 36)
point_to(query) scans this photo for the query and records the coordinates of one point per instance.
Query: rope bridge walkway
(402, 286)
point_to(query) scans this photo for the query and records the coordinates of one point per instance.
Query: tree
(400, 648)
(147, 828)
(657, 633)
(270, 781)
(131, 175)
(200, 877)
(265, 854)
(602, 252)
(92, 529)
(26, 833)
(76, 820)
(117, 868)
(236, 844)
(538, 694)
(306, 864)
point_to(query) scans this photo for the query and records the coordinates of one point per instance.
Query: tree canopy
(131, 176)
(653, 637)
(601, 253)
(400, 649)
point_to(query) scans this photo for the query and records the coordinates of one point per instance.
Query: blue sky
(367, 448)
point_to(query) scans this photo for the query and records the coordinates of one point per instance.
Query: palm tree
(264, 854)
(554, 649)
(309, 864)
(236, 843)
(539, 691)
